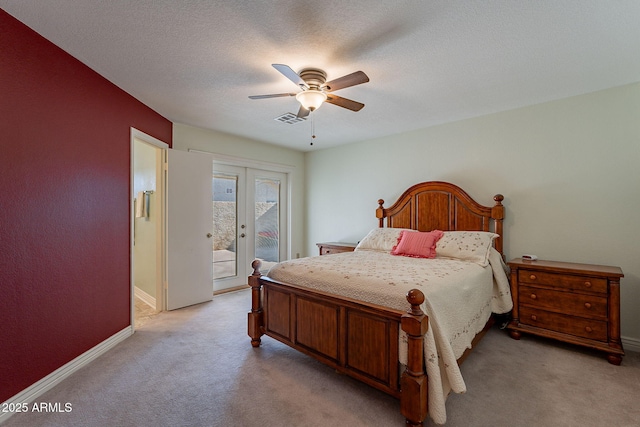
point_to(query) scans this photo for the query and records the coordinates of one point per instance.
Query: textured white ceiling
(430, 62)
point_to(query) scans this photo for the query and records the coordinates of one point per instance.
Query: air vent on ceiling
(289, 118)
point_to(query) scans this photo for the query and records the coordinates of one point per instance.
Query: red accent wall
(64, 205)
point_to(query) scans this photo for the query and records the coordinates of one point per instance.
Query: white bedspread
(460, 297)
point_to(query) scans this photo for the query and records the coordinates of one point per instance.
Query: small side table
(574, 303)
(328, 248)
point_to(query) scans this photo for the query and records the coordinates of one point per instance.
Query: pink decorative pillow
(417, 244)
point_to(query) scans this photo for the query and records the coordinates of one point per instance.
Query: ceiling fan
(316, 89)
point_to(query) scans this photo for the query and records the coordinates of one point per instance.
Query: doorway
(171, 227)
(146, 226)
(250, 212)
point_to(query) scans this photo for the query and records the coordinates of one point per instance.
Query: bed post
(497, 213)
(255, 316)
(413, 397)
(380, 213)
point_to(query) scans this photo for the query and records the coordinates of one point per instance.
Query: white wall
(189, 137)
(569, 171)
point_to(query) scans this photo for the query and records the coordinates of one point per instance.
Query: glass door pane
(267, 221)
(225, 220)
(229, 227)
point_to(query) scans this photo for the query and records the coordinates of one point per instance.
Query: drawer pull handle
(534, 317)
(587, 304)
(588, 329)
(587, 284)
(534, 296)
(533, 277)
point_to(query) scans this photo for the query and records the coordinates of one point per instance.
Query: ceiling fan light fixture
(311, 99)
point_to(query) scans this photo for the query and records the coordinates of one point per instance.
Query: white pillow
(380, 239)
(473, 246)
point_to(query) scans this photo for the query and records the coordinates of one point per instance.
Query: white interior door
(189, 229)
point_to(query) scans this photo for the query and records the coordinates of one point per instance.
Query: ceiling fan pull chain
(313, 127)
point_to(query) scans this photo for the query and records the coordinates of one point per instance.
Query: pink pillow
(417, 244)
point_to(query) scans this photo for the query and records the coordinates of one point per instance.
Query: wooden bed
(324, 326)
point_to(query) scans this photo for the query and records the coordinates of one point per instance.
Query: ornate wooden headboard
(437, 205)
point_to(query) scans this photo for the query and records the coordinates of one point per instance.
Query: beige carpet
(196, 367)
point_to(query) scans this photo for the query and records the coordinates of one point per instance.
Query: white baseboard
(631, 344)
(148, 299)
(31, 393)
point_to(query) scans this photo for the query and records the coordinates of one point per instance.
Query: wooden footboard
(355, 338)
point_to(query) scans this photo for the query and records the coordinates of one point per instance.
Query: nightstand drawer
(332, 250)
(585, 328)
(335, 247)
(567, 281)
(565, 302)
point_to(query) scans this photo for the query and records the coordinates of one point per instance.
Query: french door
(249, 222)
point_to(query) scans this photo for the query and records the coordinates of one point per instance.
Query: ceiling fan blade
(275, 95)
(302, 112)
(344, 102)
(291, 75)
(346, 81)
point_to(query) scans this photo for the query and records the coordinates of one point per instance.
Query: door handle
(209, 235)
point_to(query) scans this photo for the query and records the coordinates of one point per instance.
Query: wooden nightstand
(574, 303)
(335, 247)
